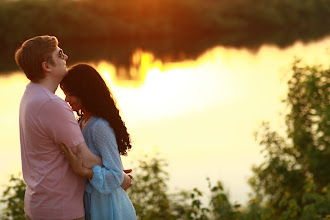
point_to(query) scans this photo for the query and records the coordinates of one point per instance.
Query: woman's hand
(75, 160)
(127, 182)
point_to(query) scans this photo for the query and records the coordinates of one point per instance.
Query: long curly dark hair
(86, 83)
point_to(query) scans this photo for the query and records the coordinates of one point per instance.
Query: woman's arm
(111, 176)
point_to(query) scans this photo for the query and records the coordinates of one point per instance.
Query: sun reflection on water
(157, 89)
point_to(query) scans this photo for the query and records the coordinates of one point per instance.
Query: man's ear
(45, 66)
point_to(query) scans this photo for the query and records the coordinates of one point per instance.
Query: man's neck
(49, 84)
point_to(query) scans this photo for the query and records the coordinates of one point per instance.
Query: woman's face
(73, 101)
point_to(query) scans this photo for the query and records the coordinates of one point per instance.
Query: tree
(294, 179)
(149, 191)
(13, 196)
(220, 205)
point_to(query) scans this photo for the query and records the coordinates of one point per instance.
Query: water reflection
(174, 48)
(200, 113)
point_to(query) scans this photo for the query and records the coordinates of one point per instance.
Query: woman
(105, 135)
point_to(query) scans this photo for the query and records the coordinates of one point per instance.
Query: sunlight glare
(171, 89)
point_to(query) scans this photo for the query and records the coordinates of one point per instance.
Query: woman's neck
(87, 115)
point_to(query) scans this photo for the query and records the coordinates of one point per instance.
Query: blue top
(104, 198)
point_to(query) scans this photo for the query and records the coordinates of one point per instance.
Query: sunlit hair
(32, 53)
(84, 82)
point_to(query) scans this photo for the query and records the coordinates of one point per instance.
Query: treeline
(95, 19)
(114, 29)
(293, 182)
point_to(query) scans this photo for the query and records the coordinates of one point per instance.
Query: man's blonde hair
(32, 53)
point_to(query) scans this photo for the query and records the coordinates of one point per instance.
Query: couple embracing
(72, 169)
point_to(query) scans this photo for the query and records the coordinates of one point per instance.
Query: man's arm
(76, 162)
(89, 159)
(58, 121)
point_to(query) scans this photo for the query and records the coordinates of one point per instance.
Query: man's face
(59, 65)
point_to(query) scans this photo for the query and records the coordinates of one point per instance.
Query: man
(53, 190)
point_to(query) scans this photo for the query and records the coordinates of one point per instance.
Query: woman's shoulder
(101, 128)
(101, 123)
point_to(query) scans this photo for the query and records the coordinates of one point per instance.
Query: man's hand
(75, 160)
(127, 182)
(89, 158)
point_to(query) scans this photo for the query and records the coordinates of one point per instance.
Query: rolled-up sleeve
(58, 120)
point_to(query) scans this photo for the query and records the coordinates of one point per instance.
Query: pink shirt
(53, 190)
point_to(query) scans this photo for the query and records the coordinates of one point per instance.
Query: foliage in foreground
(13, 197)
(292, 182)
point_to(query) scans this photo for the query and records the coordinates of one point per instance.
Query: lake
(199, 114)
